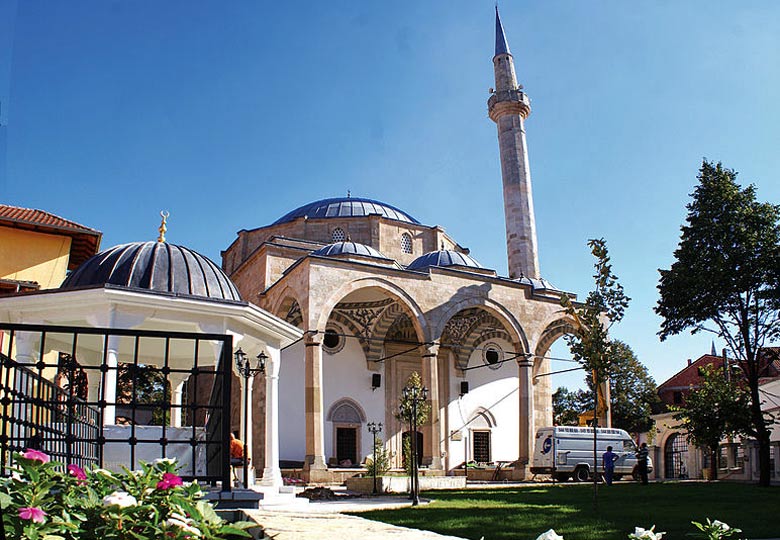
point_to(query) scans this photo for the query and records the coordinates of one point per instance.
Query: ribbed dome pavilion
(156, 266)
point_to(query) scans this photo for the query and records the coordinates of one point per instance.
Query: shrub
(42, 500)
(381, 459)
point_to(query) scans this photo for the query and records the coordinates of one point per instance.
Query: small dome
(538, 284)
(348, 248)
(443, 257)
(156, 266)
(346, 207)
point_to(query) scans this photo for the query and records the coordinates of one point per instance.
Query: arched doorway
(347, 419)
(676, 456)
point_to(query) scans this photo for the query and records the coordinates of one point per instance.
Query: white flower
(720, 525)
(182, 522)
(165, 461)
(104, 472)
(122, 499)
(646, 534)
(550, 535)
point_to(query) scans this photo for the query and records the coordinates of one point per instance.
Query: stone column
(272, 474)
(430, 377)
(111, 360)
(176, 381)
(315, 441)
(526, 428)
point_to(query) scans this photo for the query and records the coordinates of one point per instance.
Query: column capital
(525, 360)
(312, 338)
(431, 349)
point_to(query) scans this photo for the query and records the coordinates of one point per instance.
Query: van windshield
(629, 446)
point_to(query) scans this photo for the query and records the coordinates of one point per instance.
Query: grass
(524, 513)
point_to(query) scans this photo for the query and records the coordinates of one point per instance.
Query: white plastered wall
(494, 390)
(345, 375)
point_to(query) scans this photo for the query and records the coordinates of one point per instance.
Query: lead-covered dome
(444, 257)
(156, 266)
(346, 207)
(348, 248)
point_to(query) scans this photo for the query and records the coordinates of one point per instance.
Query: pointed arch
(390, 289)
(346, 410)
(481, 415)
(504, 316)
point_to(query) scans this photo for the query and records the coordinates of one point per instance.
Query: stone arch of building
(509, 322)
(285, 307)
(388, 288)
(485, 414)
(551, 333)
(346, 409)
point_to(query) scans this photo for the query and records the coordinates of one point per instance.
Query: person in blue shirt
(608, 462)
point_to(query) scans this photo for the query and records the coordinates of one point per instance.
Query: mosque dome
(537, 283)
(348, 249)
(156, 266)
(444, 257)
(346, 207)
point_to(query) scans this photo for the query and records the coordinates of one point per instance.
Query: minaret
(508, 107)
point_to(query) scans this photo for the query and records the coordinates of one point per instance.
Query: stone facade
(351, 273)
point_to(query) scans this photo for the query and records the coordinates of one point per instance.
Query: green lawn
(524, 513)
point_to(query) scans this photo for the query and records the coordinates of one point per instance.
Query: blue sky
(230, 114)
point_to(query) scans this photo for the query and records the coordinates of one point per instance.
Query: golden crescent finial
(163, 226)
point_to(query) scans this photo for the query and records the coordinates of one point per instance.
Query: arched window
(406, 243)
(338, 235)
(480, 427)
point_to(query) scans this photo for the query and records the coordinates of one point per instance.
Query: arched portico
(491, 356)
(553, 331)
(349, 340)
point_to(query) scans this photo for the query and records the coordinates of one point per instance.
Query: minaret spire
(508, 107)
(502, 47)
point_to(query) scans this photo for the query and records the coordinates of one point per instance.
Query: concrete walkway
(320, 520)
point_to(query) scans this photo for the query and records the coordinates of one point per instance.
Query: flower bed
(43, 500)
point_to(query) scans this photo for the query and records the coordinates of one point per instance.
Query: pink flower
(169, 480)
(35, 455)
(77, 472)
(33, 513)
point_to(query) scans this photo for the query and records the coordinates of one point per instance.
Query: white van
(565, 452)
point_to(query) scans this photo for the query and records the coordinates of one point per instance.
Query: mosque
(345, 297)
(379, 295)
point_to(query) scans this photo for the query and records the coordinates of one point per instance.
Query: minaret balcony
(509, 102)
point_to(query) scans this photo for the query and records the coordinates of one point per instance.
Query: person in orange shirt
(236, 451)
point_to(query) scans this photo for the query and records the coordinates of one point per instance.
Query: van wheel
(581, 474)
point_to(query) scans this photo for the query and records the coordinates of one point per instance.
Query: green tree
(633, 393)
(147, 387)
(726, 280)
(406, 413)
(604, 306)
(717, 408)
(569, 404)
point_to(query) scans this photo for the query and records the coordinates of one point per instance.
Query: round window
(332, 341)
(492, 355)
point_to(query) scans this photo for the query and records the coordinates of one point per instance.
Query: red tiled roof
(85, 241)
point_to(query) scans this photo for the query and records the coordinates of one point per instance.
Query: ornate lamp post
(248, 373)
(374, 429)
(414, 395)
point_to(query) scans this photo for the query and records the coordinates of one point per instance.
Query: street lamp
(248, 373)
(374, 429)
(414, 395)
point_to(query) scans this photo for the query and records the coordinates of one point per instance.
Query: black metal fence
(112, 397)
